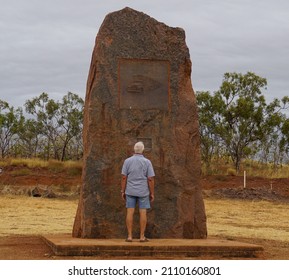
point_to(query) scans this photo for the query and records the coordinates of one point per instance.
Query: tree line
(42, 128)
(235, 122)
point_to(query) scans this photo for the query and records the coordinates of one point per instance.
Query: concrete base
(65, 245)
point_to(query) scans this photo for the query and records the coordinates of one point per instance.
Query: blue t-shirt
(137, 168)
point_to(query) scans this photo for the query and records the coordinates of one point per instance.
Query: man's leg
(144, 204)
(143, 222)
(129, 222)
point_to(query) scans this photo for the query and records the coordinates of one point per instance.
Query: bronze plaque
(148, 143)
(143, 84)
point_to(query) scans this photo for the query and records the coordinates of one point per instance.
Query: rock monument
(139, 89)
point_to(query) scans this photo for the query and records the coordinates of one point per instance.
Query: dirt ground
(32, 247)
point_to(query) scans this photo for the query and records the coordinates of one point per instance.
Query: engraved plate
(143, 84)
(148, 143)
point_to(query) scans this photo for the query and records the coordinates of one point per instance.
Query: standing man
(137, 186)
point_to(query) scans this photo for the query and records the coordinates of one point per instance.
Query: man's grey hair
(139, 148)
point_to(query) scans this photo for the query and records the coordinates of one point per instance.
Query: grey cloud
(47, 45)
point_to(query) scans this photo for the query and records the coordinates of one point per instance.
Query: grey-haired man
(137, 186)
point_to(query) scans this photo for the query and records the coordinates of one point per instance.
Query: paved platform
(65, 245)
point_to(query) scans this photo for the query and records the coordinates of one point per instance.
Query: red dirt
(213, 184)
(12, 176)
(257, 188)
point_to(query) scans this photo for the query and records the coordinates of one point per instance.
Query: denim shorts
(143, 202)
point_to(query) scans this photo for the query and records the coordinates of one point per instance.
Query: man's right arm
(123, 185)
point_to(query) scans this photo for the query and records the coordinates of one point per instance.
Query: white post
(244, 179)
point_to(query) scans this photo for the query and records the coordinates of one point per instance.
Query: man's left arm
(151, 183)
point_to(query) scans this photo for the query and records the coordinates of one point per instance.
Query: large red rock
(139, 88)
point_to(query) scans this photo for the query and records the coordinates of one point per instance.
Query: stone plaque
(143, 84)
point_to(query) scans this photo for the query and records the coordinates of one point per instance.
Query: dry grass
(30, 215)
(248, 219)
(73, 168)
(226, 218)
(30, 163)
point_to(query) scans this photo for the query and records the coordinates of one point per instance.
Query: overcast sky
(46, 46)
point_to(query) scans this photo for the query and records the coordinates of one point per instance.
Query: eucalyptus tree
(58, 121)
(241, 111)
(279, 131)
(45, 111)
(10, 119)
(70, 120)
(209, 117)
(29, 138)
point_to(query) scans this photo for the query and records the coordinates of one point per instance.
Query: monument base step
(66, 245)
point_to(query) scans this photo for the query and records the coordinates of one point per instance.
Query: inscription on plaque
(143, 84)
(147, 143)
